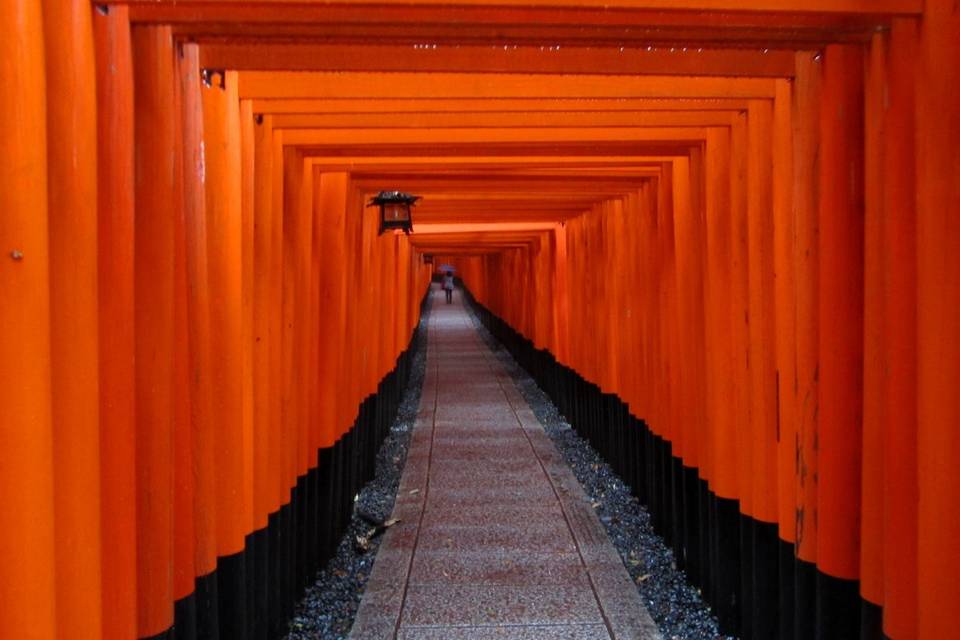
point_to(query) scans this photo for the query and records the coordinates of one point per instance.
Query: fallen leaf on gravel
(362, 544)
(389, 523)
(643, 578)
(595, 505)
(340, 573)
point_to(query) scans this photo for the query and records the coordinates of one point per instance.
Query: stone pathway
(496, 538)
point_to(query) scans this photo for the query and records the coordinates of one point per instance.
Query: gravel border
(674, 604)
(330, 605)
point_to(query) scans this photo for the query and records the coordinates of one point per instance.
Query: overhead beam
(580, 119)
(675, 61)
(649, 11)
(720, 31)
(468, 186)
(428, 162)
(349, 106)
(440, 229)
(318, 84)
(383, 139)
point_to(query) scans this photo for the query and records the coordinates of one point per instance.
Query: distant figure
(448, 286)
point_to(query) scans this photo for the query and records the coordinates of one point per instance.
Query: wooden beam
(316, 84)
(580, 119)
(496, 58)
(651, 11)
(351, 106)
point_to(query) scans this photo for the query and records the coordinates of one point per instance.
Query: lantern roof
(393, 197)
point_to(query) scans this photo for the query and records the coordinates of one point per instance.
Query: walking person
(448, 286)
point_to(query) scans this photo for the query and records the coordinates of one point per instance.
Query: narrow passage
(496, 538)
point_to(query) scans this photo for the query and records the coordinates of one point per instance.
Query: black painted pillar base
(838, 608)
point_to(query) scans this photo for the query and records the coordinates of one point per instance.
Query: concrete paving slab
(511, 632)
(498, 567)
(457, 604)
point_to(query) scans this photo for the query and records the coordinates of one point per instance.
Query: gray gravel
(329, 606)
(674, 604)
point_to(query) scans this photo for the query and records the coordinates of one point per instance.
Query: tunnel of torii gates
(723, 235)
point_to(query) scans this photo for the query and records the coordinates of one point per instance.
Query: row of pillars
(188, 316)
(781, 305)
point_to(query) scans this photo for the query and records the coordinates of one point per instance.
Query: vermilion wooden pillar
(247, 221)
(264, 496)
(278, 438)
(760, 323)
(204, 436)
(899, 391)
(27, 601)
(305, 456)
(723, 419)
(294, 253)
(688, 236)
(72, 167)
(115, 189)
(739, 309)
(874, 339)
(806, 106)
(221, 137)
(938, 317)
(716, 323)
(683, 362)
(628, 302)
(155, 147)
(291, 254)
(841, 341)
(784, 321)
(184, 484)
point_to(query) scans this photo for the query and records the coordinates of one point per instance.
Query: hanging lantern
(394, 210)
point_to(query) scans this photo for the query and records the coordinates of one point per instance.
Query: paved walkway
(496, 539)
